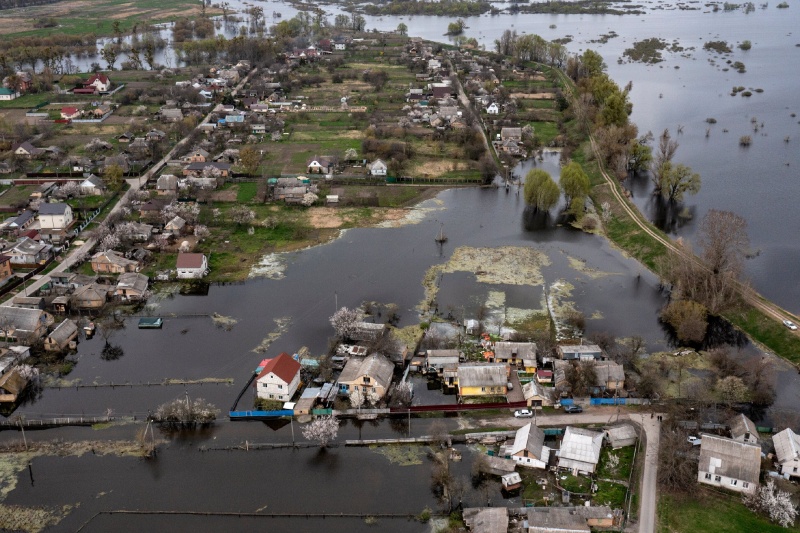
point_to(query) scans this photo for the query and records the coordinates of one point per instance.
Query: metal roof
(482, 375)
(486, 519)
(787, 445)
(580, 448)
(620, 436)
(56, 208)
(375, 366)
(741, 425)
(531, 438)
(520, 350)
(730, 458)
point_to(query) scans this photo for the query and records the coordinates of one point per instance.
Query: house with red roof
(278, 379)
(70, 113)
(99, 82)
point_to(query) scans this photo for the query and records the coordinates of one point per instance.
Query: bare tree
(663, 158)
(183, 412)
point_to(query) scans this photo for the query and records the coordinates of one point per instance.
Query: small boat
(151, 323)
(88, 329)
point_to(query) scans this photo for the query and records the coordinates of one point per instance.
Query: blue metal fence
(260, 414)
(605, 401)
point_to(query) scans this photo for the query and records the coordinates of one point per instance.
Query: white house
(192, 266)
(528, 448)
(493, 109)
(743, 429)
(580, 450)
(787, 448)
(279, 378)
(99, 82)
(55, 216)
(378, 168)
(729, 464)
(92, 186)
(8, 94)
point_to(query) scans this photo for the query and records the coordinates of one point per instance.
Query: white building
(729, 464)
(192, 266)
(279, 378)
(528, 448)
(378, 168)
(56, 216)
(787, 448)
(493, 109)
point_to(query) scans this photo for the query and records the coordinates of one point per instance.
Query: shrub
(746, 45)
(745, 140)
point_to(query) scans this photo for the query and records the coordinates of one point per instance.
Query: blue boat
(151, 323)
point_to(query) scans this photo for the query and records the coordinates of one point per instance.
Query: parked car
(694, 441)
(510, 386)
(523, 413)
(573, 409)
(789, 324)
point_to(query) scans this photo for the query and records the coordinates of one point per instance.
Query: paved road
(135, 185)
(648, 489)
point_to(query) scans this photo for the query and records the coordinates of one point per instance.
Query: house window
(795, 469)
(717, 479)
(366, 379)
(483, 389)
(264, 385)
(733, 482)
(745, 485)
(280, 386)
(271, 396)
(708, 476)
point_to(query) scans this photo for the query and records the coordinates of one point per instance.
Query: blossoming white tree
(776, 504)
(322, 430)
(344, 321)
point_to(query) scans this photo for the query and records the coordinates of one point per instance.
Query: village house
(28, 302)
(131, 286)
(482, 379)
(152, 208)
(175, 226)
(7, 94)
(27, 150)
(528, 448)
(372, 375)
(12, 384)
(610, 377)
(198, 155)
(5, 268)
(70, 113)
(580, 352)
(21, 221)
(258, 129)
(438, 359)
(486, 519)
(493, 109)
(321, 165)
(367, 331)
(743, 429)
(167, 184)
(97, 83)
(536, 395)
(511, 134)
(621, 436)
(377, 168)
(61, 336)
(92, 186)
(155, 135)
(580, 450)
(191, 266)
(569, 519)
(516, 354)
(111, 262)
(26, 252)
(279, 378)
(91, 297)
(787, 451)
(171, 115)
(729, 464)
(126, 137)
(23, 325)
(55, 216)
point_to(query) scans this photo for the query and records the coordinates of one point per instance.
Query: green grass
(768, 332)
(545, 131)
(628, 236)
(16, 195)
(611, 494)
(710, 511)
(246, 192)
(576, 484)
(26, 101)
(623, 469)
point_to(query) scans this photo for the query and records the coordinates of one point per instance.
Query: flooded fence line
(404, 516)
(54, 422)
(164, 383)
(260, 446)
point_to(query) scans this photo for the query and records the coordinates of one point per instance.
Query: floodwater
(758, 182)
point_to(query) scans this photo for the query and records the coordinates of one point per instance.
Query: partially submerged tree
(678, 180)
(183, 412)
(688, 318)
(322, 430)
(541, 191)
(575, 186)
(344, 321)
(663, 157)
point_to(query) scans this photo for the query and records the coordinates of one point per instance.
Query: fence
(11, 285)
(457, 407)
(255, 415)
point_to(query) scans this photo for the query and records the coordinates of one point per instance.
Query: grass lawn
(623, 469)
(710, 511)
(611, 494)
(575, 484)
(17, 195)
(545, 131)
(767, 331)
(246, 192)
(26, 101)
